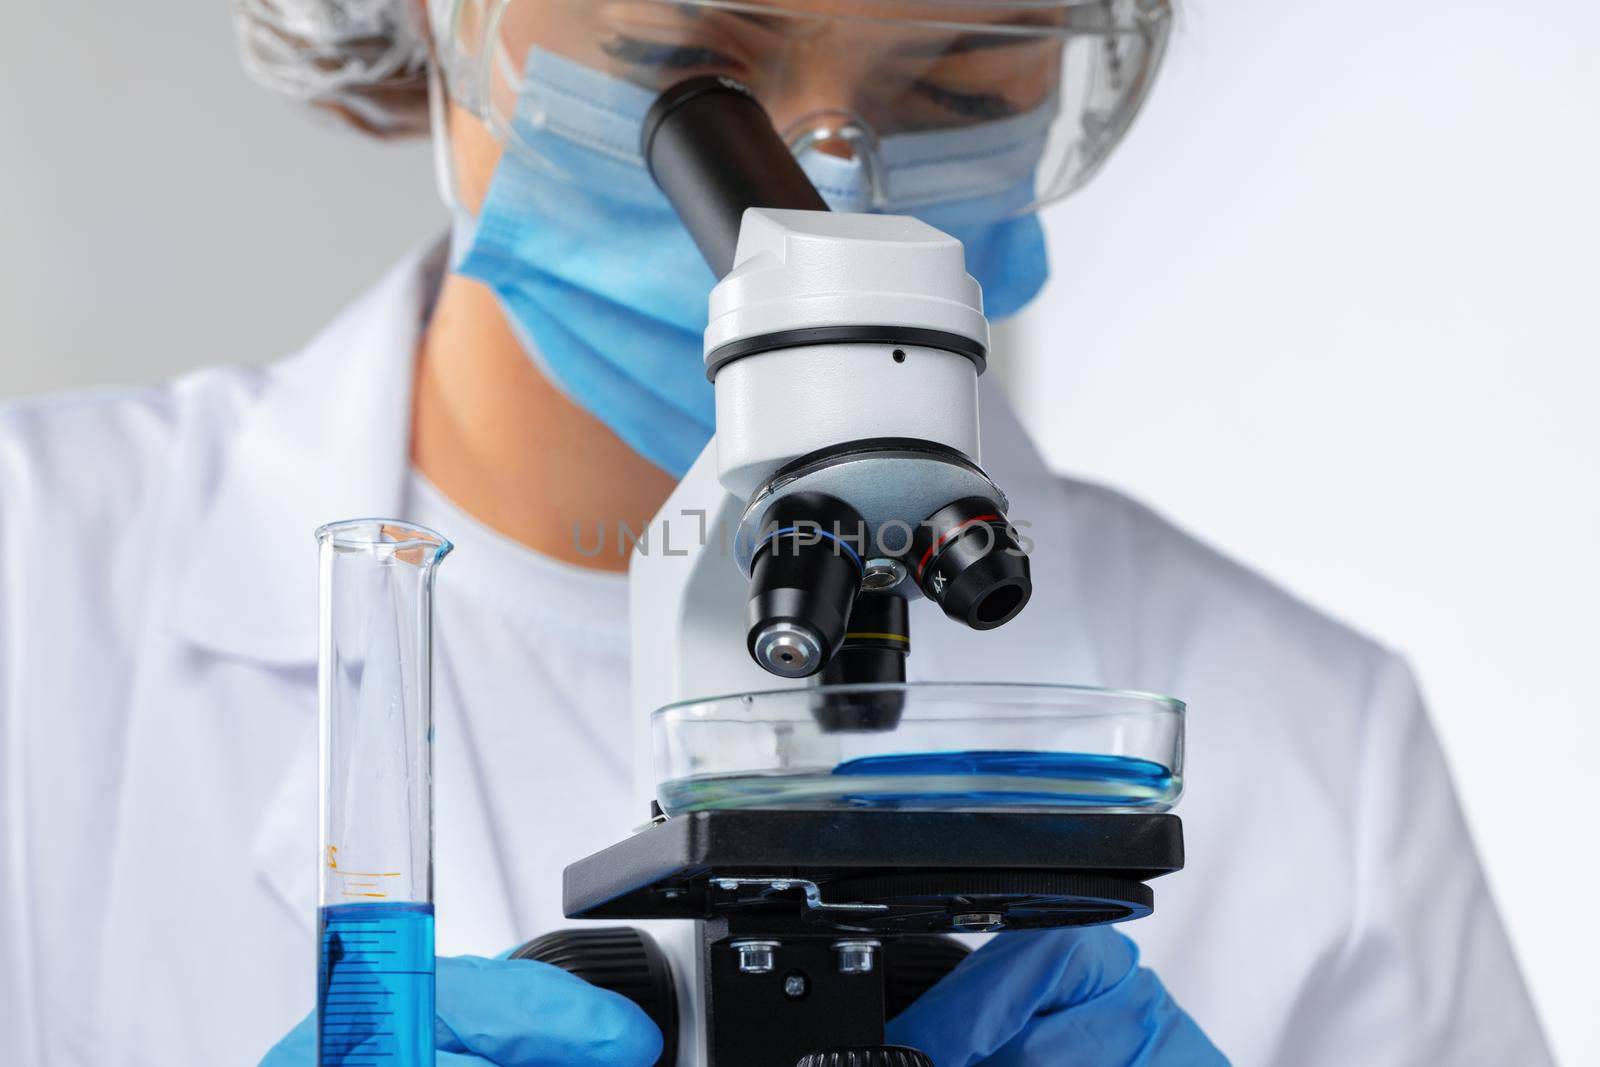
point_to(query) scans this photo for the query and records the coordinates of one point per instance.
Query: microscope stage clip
(812, 895)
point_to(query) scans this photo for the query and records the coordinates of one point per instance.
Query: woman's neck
(497, 438)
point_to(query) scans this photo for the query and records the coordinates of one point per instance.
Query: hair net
(367, 60)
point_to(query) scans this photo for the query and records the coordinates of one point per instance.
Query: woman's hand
(1062, 998)
(514, 1013)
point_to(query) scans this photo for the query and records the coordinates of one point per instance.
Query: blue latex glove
(514, 1013)
(1066, 998)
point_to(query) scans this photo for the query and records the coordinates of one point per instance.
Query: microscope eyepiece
(712, 149)
(966, 558)
(803, 579)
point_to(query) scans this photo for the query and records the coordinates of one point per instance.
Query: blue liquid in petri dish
(375, 985)
(1077, 779)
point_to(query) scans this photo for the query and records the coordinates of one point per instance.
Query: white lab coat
(157, 737)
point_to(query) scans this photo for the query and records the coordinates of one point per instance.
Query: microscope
(842, 484)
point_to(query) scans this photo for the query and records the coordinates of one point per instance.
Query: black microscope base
(806, 881)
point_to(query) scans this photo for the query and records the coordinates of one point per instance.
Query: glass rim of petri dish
(389, 535)
(798, 696)
(941, 745)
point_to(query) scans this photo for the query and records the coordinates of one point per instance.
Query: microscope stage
(882, 871)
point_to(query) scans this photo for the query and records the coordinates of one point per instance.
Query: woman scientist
(542, 375)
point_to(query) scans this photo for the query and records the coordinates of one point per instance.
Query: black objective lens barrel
(967, 559)
(803, 581)
(712, 149)
(876, 644)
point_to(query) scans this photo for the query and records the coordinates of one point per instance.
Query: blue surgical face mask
(607, 292)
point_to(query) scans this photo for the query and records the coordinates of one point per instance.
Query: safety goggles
(896, 89)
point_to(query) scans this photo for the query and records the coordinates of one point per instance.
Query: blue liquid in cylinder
(375, 985)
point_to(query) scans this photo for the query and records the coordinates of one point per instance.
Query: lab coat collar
(327, 439)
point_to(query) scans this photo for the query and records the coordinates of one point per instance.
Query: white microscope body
(798, 271)
(842, 482)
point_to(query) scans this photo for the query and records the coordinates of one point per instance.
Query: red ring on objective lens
(946, 536)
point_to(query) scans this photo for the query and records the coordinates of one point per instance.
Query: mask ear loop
(463, 225)
(444, 168)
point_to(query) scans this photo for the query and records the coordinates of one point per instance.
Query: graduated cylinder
(375, 971)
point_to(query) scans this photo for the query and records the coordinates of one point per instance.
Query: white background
(1331, 307)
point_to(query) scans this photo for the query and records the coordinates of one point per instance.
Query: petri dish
(922, 746)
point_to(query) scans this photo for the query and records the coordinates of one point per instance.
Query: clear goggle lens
(1038, 92)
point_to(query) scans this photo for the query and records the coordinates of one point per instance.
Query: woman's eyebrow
(1001, 33)
(997, 34)
(1023, 29)
(692, 10)
(966, 42)
(766, 22)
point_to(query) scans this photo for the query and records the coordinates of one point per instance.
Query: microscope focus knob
(881, 1056)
